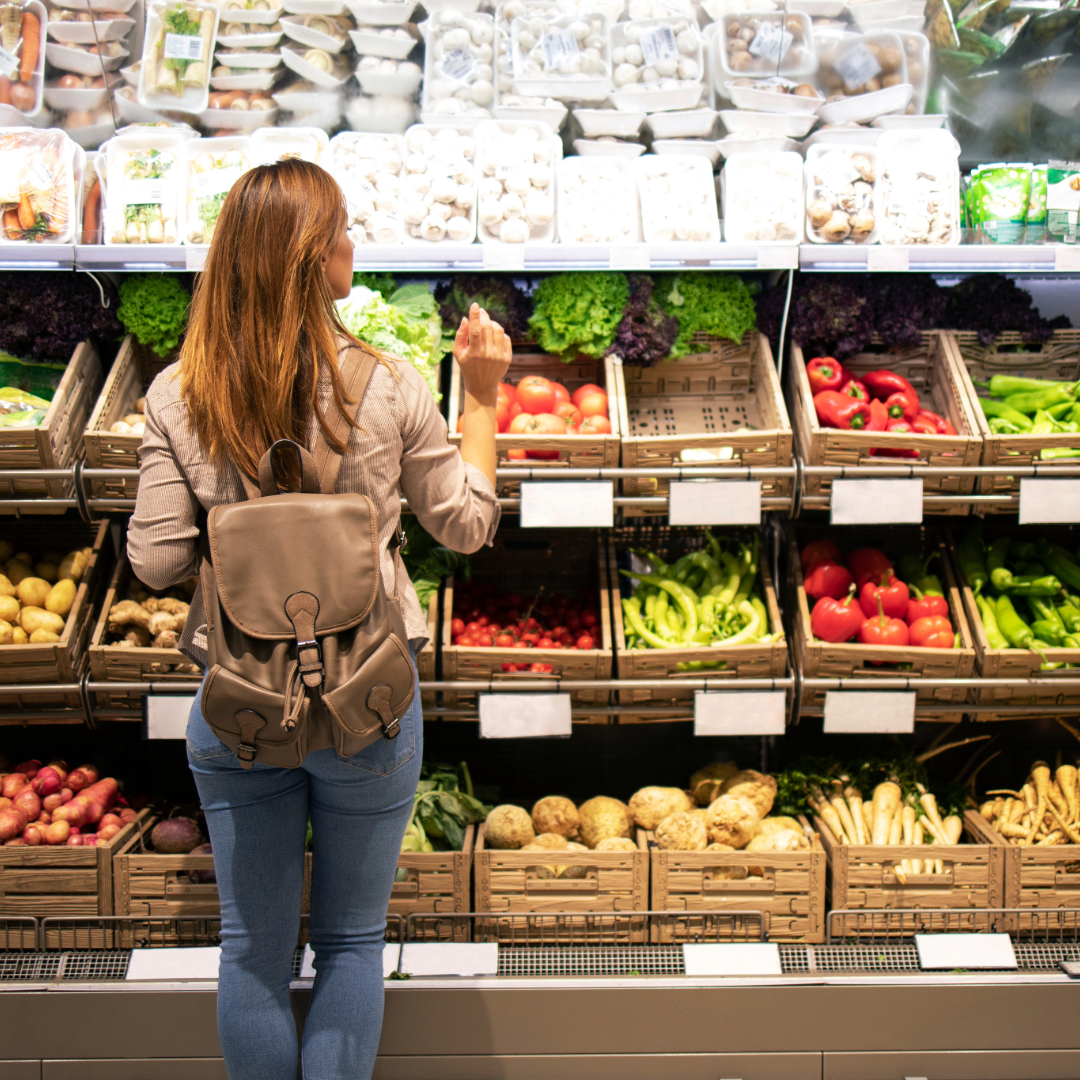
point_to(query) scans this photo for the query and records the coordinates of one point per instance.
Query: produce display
(441, 810)
(37, 592)
(1022, 406)
(37, 186)
(154, 309)
(151, 618)
(23, 56)
(1027, 592)
(1045, 811)
(176, 59)
(56, 805)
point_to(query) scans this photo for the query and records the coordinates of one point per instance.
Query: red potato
(66, 795)
(14, 782)
(17, 842)
(72, 812)
(109, 819)
(52, 802)
(89, 841)
(74, 841)
(127, 814)
(12, 823)
(29, 768)
(78, 779)
(57, 833)
(107, 832)
(34, 836)
(4, 803)
(44, 818)
(29, 803)
(47, 782)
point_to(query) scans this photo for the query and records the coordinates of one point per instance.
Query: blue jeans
(257, 818)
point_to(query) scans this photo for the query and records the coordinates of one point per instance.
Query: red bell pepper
(940, 423)
(817, 551)
(881, 630)
(891, 596)
(868, 563)
(828, 579)
(925, 606)
(924, 426)
(826, 373)
(854, 388)
(836, 620)
(879, 416)
(903, 405)
(901, 427)
(882, 383)
(932, 632)
(840, 411)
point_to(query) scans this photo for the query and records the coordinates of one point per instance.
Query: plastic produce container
(597, 201)
(841, 194)
(143, 192)
(177, 49)
(773, 95)
(274, 144)
(370, 170)
(661, 58)
(864, 75)
(678, 199)
(39, 165)
(919, 192)
(392, 42)
(763, 198)
(565, 57)
(763, 44)
(210, 168)
(515, 171)
(318, 31)
(441, 176)
(459, 76)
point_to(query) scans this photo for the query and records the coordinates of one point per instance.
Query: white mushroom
(514, 231)
(432, 229)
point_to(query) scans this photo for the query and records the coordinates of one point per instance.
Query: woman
(259, 364)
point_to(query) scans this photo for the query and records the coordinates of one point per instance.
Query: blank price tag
(170, 964)
(504, 256)
(195, 257)
(733, 712)
(945, 952)
(628, 257)
(865, 712)
(714, 502)
(887, 257)
(567, 504)
(449, 958)
(778, 257)
(389, 961)
(876, 502)
(167, 715)
(1049, 501)
(1067, 257)
(749, 958)
(524, 716)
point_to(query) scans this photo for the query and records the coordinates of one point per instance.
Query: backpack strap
(356, 367)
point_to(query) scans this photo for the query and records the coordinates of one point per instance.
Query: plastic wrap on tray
(678, 198)
(276, 144)
(516, 182)
(598, 201)
(369, 169)
(763, 198)
(212, 166)
(919, 193)
(656, 53)
(459, 71)
(440, 185)
(176, 58)
(37, 186)
(143, 187)
(761, 44)
(566, 57)
(841, 184)
(22, 54)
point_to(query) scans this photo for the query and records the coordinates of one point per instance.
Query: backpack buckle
(310, 666)
(392, 731)
(246, 754)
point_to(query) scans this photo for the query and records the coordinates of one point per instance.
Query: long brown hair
(263, 326)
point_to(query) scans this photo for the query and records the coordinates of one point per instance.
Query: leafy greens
(428, 562)
(645, 335)
(441, 810)
(706, 303)
(498, 296)
(578, 312)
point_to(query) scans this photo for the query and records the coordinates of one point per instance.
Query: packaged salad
(212, 166)
(37, 186)
(177, 51)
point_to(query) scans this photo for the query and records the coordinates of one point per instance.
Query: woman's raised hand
(483, 352)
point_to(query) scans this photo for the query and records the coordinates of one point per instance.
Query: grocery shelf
(967, 258)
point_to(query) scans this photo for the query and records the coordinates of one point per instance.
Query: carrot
(5, 90)
(1040, 773)
(31, 37)
(886, 799)
(1066, 778)
(27, 216)
(855, 802)
(11, 224)
(92, 215)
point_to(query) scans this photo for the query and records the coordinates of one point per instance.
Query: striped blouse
(401, 447)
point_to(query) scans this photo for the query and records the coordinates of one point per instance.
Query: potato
(7, 632)
(19, 636)
(61, 597)
(6, 551)
(35, 618)
(43, 637)
(9, 609)
(46, 569)
(134, 418)
(17, 570)
(73, 566)
(6, 588)
(33, 591)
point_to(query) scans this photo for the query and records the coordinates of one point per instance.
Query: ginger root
(167, 639)
(162, 620)
(127, 612)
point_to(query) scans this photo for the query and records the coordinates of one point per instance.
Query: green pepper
(1016, 631)
(999, 410)
(972, 559)
(701, 665)
(1056, 453)
(1069, 614)
(759, 607)
(1043, 424)
(1033, 585)
(1033, 400)
(749, 632)
(910, 567)
(994, 637)
(1070, 641)
(1040, 647)
(684, 599)
(1059, 411)
(996, 555)
(1060, 563)
(1047, 632)
(659, 566)
(1046, 612)
(750, 569)
(1007, 385)
(632, 616)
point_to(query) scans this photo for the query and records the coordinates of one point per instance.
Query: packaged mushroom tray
(658, 65)
(864, 75)
(763, 198)
(440, 185)
(369, 169)
(561, 56)
(211, 167)
(516, 182)
(177, 51)
(841, 185)
(388, 114)
(143, 186)
(459, 70)
(512, 105)
(919, 187)
(678, 198)
(774, 95)
(759, 44)
(597, 201)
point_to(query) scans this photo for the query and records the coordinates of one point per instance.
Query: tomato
(463, 640)
(545, 643)
(519, 423)
(515, 408)
(536, 394)
(521, 644)
(546, 424)
(502, 414)
(541, 669)
(457, 626)
(573, 622)
(509, 667)
(582, 391)
(558, 645)
(589, 618)
(504, 641)
(561, 393)
(593, 404)
(516, 455)
(483, 620)
(560, 632)
(584, 642)
(542, 455)
(506, 390)
(595, 425)
(474, 627)
(569, 412)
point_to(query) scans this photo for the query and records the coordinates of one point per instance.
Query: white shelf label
(167, 965)
(167, 715)
(504, 256)
(658, 43)
(778, 257)
(195, 257)
(1044, 502)
(183, 47)
(714, 502)
(390, 954)
(1067, 257)
(749, 958)
(449, 958)
(944, 952)
(887, 257)
(524, 716)
(629, 257)
(735, 712)
(868, 712)
(567, 504)
(877, 502)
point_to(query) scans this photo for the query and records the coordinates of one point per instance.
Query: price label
(217, 181)
(458, 65)
(629, 257)
(834, 170)
(877, 502)
(658, 43)
(737, 713)
(868, 712)
(909, 195)
(504, 256)
(449, 958)
(714, 502)
(771, 42)
(147, 192)
(1049, 502)
(195, 258)
(857, 66)
(1067, 257)
(183, 47)
(567, 504)
(40, 174)
(167, 715)
(9, 63)
(749, 958)
(559, 46)
(512, 158)
(524, 716)
(391, 952)
(946, 952)
(170, 964)
(778, 257)
(887, 257)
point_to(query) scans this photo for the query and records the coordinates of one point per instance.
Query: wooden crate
(790, 894)
(133, 371)
(1045, 877)
(61, 661)
(575, 451)
(1009, 354)
(931, 369)
(723, 406)
(822, 659)
(742, 661)
(111, 663)
(522, 560)
(50, 881)
(57, 442)
(615, 882)
(862, 876)
(1020, 664)
(436, 882)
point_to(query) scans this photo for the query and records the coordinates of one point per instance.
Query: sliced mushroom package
(919, 192)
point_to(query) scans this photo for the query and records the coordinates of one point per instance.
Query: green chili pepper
(1047, 632)
(750, 567)
(1056, 453)
(972, 559)
(996, 555)
(998, 426)
(632, 615)
(994, 637)
(750, 631)
(659, 566)
(1016, 631)
(759, 607)
(1071, 641)
(1047, 612)
(911, 567)
(684, 599)
(1061, 409)
(1069, 614)
(1033, 400)
(1060, 563)
(1000, 410)
(1006, 385)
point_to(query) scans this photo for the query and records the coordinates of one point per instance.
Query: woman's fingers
(461, 338)
(476, 315)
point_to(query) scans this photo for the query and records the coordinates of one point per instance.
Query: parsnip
(855, 802)
(1066, 778)
(841, 808)
(896, 827)
(885, 800)
(825, 811)
(1040, 774)
(917, 865)
(909, 835)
